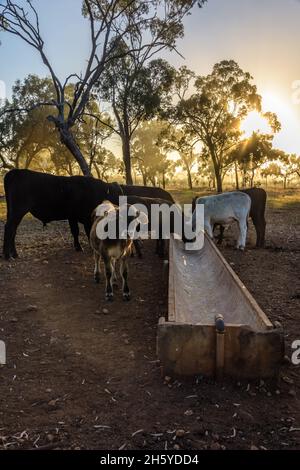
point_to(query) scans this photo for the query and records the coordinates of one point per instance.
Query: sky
(263, 36)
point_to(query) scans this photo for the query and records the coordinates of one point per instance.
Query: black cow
(258, 198)
(48, 198)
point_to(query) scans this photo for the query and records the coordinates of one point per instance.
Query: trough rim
(262, 317)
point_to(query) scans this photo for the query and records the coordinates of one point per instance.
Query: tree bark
(252, 178)
(217, 169)
(127, 159)
(153, 182)
(144, 179)
(219, 182)
(68, 140)
(163, 180)
(190, 181)
(237, 184)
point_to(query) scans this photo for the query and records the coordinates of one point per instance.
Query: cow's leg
(209, 230)
(137, 246)
(161, 248)
(124, 275)
(114, 274)
(10, 231)
(221, 235)
(262, 238)
(87, 229)
(97, 267)
(260, 228)
(241, 243)
(109, 293)
(160, 242)
(75, 232)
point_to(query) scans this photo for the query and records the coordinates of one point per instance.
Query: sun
(288, 138)
(254, 122)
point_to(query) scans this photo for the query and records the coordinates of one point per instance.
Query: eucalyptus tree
(137, 93)
(26, 138)
(142, 25)
(215, 110)
(182, 143)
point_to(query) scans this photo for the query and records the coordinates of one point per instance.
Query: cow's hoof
(97, 278)
(10, 257)
(78, 248)
(109, 297)
(126, 296)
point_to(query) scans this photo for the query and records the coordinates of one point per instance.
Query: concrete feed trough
(214, 325)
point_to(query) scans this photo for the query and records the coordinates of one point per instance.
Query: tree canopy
(216, 108)
(139, 24)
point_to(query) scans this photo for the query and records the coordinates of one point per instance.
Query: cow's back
(225, 206)
(48, 197)
(258, 198)
(147, 192)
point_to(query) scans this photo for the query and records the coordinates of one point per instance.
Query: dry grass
(279, 199)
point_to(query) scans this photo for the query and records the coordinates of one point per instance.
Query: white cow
(224, 209)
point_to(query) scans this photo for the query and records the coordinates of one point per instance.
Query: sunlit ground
(284, 199)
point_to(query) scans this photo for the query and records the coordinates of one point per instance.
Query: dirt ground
(81, 376)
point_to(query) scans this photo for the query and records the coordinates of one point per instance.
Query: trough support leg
(220, 347)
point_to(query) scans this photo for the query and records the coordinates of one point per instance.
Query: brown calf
(112, 250)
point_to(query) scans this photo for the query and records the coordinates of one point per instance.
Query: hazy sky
(263, 36)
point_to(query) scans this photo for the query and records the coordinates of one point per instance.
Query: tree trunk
(219, 182)
(252, 178)
(284, 182)
(127, 159)
(97, 170)
(163, 180)
(244, 178)
(68, 140)
(217, 169)
(70, 170)
(190, 182)
(153, 182)
(144, 179)
(237, 184)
